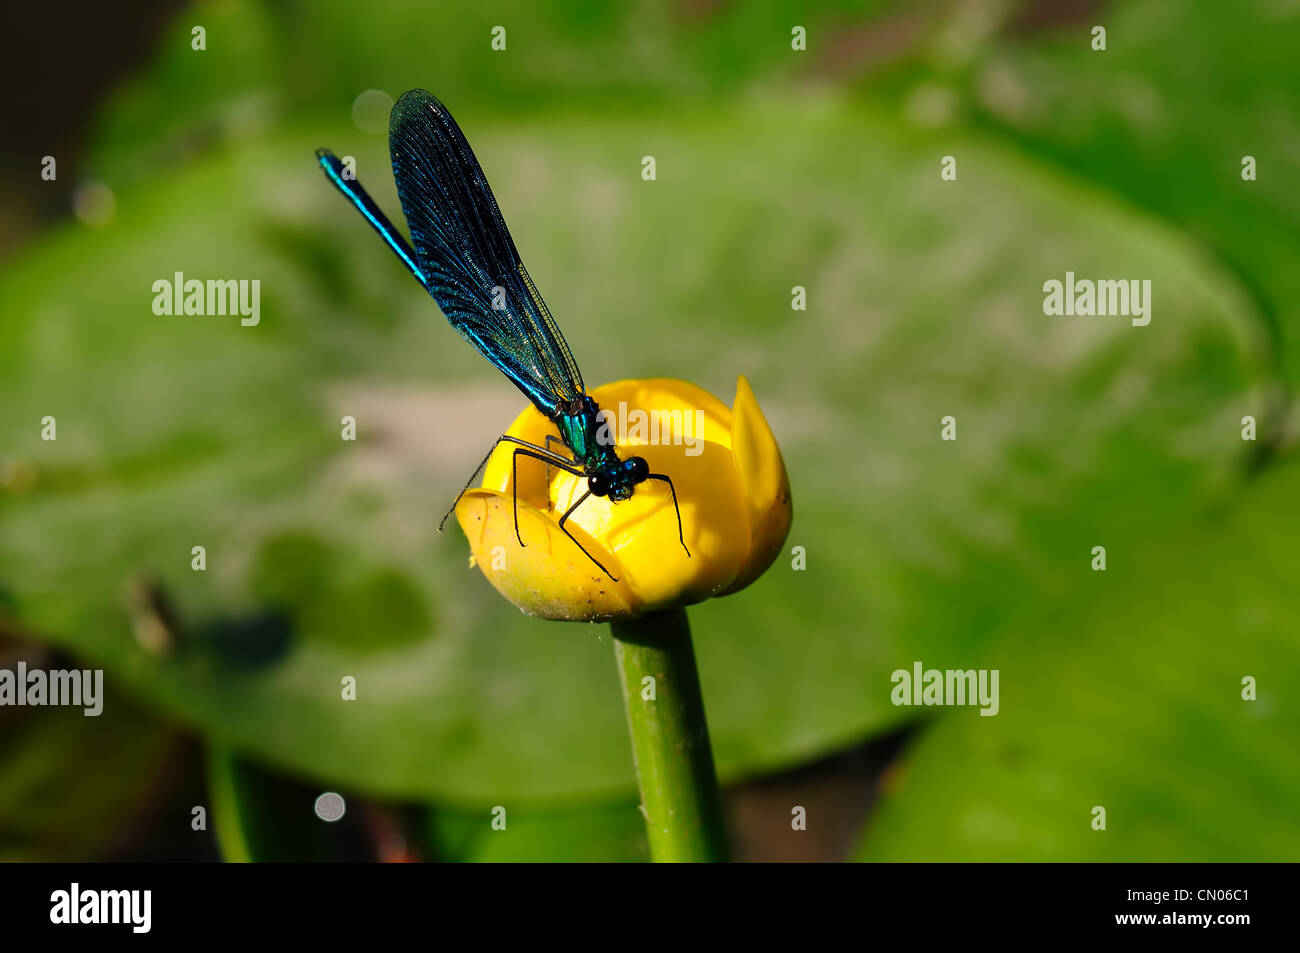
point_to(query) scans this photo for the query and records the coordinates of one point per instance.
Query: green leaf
(925, 300)
(597, 834)
(266, 62)
(262, 816)
(1129, 697)
(73, 785)
(1164, 116)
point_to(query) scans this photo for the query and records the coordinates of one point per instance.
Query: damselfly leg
(473, 476)
(681, 535)
(552, 458)
(560, 463)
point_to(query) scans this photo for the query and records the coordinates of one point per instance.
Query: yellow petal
(643, 531)
(532, 426)
(765, 485)
(664, 396)
(549, 576)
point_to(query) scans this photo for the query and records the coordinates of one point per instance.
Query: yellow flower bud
(732, 491)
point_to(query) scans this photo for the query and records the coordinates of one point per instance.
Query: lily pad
(924, 301)
(596, 834)
(1131, 698)
(1166, 116)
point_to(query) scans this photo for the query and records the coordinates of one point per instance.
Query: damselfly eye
(640, 469)
(597, 484)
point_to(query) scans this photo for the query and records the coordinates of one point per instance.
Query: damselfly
(463, 255)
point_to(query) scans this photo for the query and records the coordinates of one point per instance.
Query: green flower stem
(670, 739)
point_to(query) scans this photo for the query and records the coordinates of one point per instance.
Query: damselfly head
(617, 482)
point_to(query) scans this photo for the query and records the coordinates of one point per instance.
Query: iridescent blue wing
(467, 257)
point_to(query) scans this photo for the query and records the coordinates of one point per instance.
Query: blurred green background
(775, 168)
